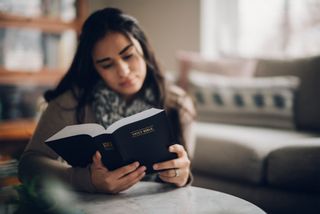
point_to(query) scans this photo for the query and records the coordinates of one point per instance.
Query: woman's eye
(127, 56)
(106, 66)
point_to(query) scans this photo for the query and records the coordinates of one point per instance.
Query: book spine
(111, 157)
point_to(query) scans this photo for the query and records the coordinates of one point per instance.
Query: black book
(143, 137)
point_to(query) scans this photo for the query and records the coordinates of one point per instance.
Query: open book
(143, 137)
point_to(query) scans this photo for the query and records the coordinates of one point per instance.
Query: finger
(179, 149)
(179, 178)
(122, 171)
(168, 173)
(96, 159)
(134, 177)
(175, 163)
(170, 164)
(167, 179)
(174, 180)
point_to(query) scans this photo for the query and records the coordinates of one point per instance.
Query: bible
(143, 137)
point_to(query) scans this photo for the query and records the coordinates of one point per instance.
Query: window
(260, 28)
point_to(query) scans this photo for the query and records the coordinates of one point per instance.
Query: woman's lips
(127, 83)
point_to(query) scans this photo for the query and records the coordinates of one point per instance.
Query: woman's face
(119, 61)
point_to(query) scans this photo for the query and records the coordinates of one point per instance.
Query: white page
(136, 117)
(91, 129)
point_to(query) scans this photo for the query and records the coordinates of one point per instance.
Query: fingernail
(155, 166)
(136, 164)
(98, 154)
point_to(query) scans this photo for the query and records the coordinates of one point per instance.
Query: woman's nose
(123, 69)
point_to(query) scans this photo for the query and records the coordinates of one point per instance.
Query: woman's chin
(130, 93)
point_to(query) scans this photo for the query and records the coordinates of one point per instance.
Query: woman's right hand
(117, 180)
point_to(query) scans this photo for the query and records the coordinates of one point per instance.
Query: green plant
(48, 197)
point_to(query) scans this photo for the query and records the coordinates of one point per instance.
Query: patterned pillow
(266, 101)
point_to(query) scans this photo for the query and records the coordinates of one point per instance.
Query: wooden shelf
(46, 24)
(17, 130)
(9, 181)
(15, 134)
(44, 77)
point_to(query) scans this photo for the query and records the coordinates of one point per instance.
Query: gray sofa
(275, 166)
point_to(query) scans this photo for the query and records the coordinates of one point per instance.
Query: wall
(171, 25)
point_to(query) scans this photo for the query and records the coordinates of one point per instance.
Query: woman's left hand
(176, 171)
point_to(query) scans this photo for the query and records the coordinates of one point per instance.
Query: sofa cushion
(239, 67)
(189, 61)
(238, 152)
(296, 166)
(265, 101)
(308, 71)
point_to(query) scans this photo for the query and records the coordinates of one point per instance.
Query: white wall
(171, 25)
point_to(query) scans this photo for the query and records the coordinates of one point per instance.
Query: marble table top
(151, 197)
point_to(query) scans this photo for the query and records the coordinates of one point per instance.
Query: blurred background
(38, 39)
(216, 28)
(41, 35)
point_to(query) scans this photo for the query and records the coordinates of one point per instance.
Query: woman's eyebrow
(121, 52)
(125, 49)
(103, 60)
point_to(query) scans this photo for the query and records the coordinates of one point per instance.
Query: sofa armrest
(296, 167)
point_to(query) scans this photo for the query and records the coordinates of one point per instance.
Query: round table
(151, 197)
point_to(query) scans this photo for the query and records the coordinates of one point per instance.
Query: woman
(114, 74)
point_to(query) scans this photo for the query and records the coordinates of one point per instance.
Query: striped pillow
(265, 101)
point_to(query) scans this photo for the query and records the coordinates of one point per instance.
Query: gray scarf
(109, 106)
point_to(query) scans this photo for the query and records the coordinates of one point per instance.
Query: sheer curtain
(260, 28)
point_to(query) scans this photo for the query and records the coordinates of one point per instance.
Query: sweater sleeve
(187, 115)
(181, 101)
(39, 160)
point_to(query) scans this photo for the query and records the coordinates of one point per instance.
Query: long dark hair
(82, 76)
